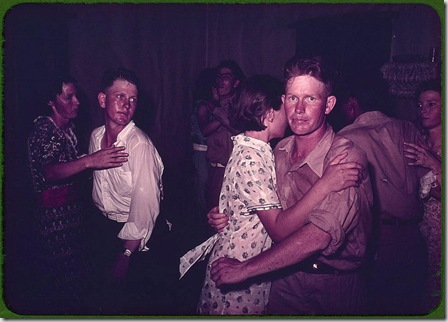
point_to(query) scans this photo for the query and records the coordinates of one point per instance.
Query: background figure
(218, 130)
(55, 164)
(397, 258)
(128, 197)
(429, 156)
(204, 96)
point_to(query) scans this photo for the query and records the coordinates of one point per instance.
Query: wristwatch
(127, 252)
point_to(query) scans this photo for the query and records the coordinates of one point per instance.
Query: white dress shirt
(130, 193)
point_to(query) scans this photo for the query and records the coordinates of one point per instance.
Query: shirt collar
(121, 136)
(315, 160)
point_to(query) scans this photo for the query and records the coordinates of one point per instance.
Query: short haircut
(111, 75)
(234, 67)
(315, 66)
(430, 85)
(371, 92)
(55, 86)
(258, 94)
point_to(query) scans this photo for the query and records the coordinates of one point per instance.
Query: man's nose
(299, 108)
(127, 103)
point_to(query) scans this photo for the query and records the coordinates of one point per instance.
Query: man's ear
(50, 103)
(331, 102)
(235, 85)
(102, 100)
(283, 98)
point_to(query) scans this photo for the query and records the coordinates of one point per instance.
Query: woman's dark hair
(430, 85)
(55, 86)
(258, 94)
(111, 75)
(315, 66)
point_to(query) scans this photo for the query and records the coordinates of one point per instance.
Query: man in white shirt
(128, 196)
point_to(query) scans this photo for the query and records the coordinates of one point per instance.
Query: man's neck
(224, 100)
(111, 133)
(435, 138)
(305, 144)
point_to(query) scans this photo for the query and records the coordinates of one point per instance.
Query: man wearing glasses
(215, 125)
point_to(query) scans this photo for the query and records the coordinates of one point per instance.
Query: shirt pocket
(121, 182)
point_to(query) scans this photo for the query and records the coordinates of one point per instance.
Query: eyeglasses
(226, 77)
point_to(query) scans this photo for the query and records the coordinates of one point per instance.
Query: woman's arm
(338, 176)
(102, 159)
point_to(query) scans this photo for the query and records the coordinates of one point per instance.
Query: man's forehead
(225, 71)
(304, 82)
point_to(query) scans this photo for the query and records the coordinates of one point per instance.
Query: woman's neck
(259, 135)
(60, 122)
(434, 138)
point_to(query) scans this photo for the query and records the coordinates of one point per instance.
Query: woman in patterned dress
(248, 196)
(54, 162)
(429, 156)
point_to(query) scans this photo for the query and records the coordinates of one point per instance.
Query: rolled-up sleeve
(341, 212)
(146, 168)
(337, 215)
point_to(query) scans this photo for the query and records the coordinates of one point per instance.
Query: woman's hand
(423, 157)
(341, 175)
(107, 158)
(216, 220)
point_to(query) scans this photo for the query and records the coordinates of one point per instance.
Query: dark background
(168, 45)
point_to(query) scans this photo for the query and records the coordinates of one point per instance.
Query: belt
(314, 266)
(217, 165)
(399, 222)
(199, 147)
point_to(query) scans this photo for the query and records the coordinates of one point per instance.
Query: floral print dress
(249, 185)
(431, 229)
(60, 228)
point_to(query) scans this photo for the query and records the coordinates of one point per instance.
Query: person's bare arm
(300, 245)
(337, 176)
(206, 125)
(278, 223)
(102, 159)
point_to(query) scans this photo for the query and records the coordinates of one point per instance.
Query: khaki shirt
(344, 215)
(394, 183)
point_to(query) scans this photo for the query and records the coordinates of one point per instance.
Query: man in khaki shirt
(324, 257)
(398, 254)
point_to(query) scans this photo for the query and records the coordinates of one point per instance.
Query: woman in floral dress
(248, 196)
(429, 156)
(54, 162)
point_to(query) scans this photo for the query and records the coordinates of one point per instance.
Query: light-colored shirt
(344, 215)
(130, 193)
(394, 183)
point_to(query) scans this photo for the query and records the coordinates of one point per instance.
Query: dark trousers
(214, 184)
(151, 287)
(397, 275)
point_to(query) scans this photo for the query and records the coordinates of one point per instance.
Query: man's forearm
(295, 248)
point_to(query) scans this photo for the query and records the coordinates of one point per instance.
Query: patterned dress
(60, 227)
(431, 229)
(249, 185)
